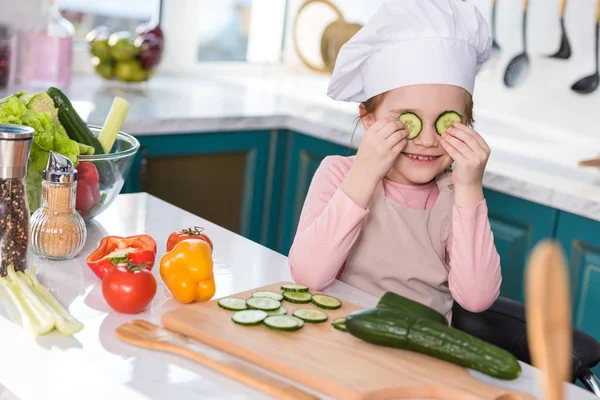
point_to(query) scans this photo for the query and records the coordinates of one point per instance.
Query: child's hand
(380, 147)
(470, 152)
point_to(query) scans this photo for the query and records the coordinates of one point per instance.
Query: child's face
(427, 102)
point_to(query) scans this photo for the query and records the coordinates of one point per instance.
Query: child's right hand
(378, 150)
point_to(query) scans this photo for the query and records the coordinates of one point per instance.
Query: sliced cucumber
(446, 120)
(249, 317)
(310, 315)
(232, 303)
(268, 295)
(326, 302)
(297, 297)
(294, 288)
(282, 323)
(263, 303)
(279, 311)
(413, 123)
(340, 324)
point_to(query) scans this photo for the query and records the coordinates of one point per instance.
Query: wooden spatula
(146, 334)
(548, 312)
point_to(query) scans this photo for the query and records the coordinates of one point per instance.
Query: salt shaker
(58, 232)
(15, 144)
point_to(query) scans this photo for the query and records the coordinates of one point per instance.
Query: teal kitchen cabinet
(517, 226)
(221, 177)
(303, 156)
(580, 239)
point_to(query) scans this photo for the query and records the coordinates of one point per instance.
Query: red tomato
(128, 288)
(189, 233)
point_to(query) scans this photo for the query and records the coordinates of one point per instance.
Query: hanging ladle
(519, 66)
(589, 83)
(495, 45)
(564, 52)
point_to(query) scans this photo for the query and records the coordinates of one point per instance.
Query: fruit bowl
(126, 56)
(101, 177)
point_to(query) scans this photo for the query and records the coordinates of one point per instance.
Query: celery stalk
(65, 322)
(113, 123)
(28, 320)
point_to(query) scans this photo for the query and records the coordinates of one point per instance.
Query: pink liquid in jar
(48, 60)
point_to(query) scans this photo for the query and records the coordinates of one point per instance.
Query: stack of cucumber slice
(266, 307)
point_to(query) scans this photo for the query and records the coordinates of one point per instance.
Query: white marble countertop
(536, 140)
(94, 364)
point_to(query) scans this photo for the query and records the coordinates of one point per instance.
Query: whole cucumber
(397, 302)
(402, 330)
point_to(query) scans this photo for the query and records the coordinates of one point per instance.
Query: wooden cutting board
(330, 361)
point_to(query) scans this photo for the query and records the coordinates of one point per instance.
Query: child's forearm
(359, 187)
(475, 274)
(468, 196)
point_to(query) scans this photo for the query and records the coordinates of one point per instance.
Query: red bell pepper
(114, 250)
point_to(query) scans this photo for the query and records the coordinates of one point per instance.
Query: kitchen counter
(94, 364)
(530, 157)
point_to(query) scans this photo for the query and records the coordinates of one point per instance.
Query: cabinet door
(517, 225)
(218, 176)
(304, 155)
(580, 239)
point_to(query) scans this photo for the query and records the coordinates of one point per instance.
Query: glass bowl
(101, 176)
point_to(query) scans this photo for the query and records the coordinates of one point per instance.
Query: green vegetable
(340, 324)
(263, 303)
(297, 297)
(413, 123)
(326, 302)
(402, 330)
(232, 303)
(395, 301)
(39, 311)
(268, 294)
(112, 125)
(446, 120)
(249, 317)
(310, 315)
(294, 288)
(283, 323)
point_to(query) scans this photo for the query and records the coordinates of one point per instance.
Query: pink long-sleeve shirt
(331, 222)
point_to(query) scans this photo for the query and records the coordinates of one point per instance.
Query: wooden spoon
(548, 312)
(145, 334)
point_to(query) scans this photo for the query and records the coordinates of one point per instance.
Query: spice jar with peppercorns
(15, 144)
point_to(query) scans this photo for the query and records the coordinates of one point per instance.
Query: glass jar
(58, 232)
(15, 144)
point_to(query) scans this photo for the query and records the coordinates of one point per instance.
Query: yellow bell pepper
(187, 271)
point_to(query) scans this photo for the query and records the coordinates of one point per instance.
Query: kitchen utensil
(146, 334)
(547, 307)
(495, 45)
(330, 361)
(589, 83)
(564, 51)
(519, 66)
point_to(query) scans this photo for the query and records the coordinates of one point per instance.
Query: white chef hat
(409, 42)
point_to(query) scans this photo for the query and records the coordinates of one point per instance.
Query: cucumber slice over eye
(446, 120)
(282, 323)
(413, 123)
(249, 317)
(310, 315)
(232, 303)
(263, 303)
(326, 302)
(268, 294)
(294, 288)
(297, 297)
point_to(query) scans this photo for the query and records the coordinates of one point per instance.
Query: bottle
(7, 56)
(49, 50)
(15, 144)
(58, 232)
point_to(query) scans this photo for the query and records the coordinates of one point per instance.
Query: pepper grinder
(58, 232)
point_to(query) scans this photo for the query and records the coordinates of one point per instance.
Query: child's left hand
(470, 153)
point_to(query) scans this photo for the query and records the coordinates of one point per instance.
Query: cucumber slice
(297, 297)
(340, 324)
(326, 302)
(311, 315)
(282, 323)
(279, 311)
(446, 120)
(413, 123)
(300, 321)
(249, 317)
(232, 303)
(268, 295)
(263, 303)
(294, 288)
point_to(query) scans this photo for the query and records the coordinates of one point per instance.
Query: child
(392, 218)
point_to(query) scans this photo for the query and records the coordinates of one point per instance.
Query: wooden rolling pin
(548, 312)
